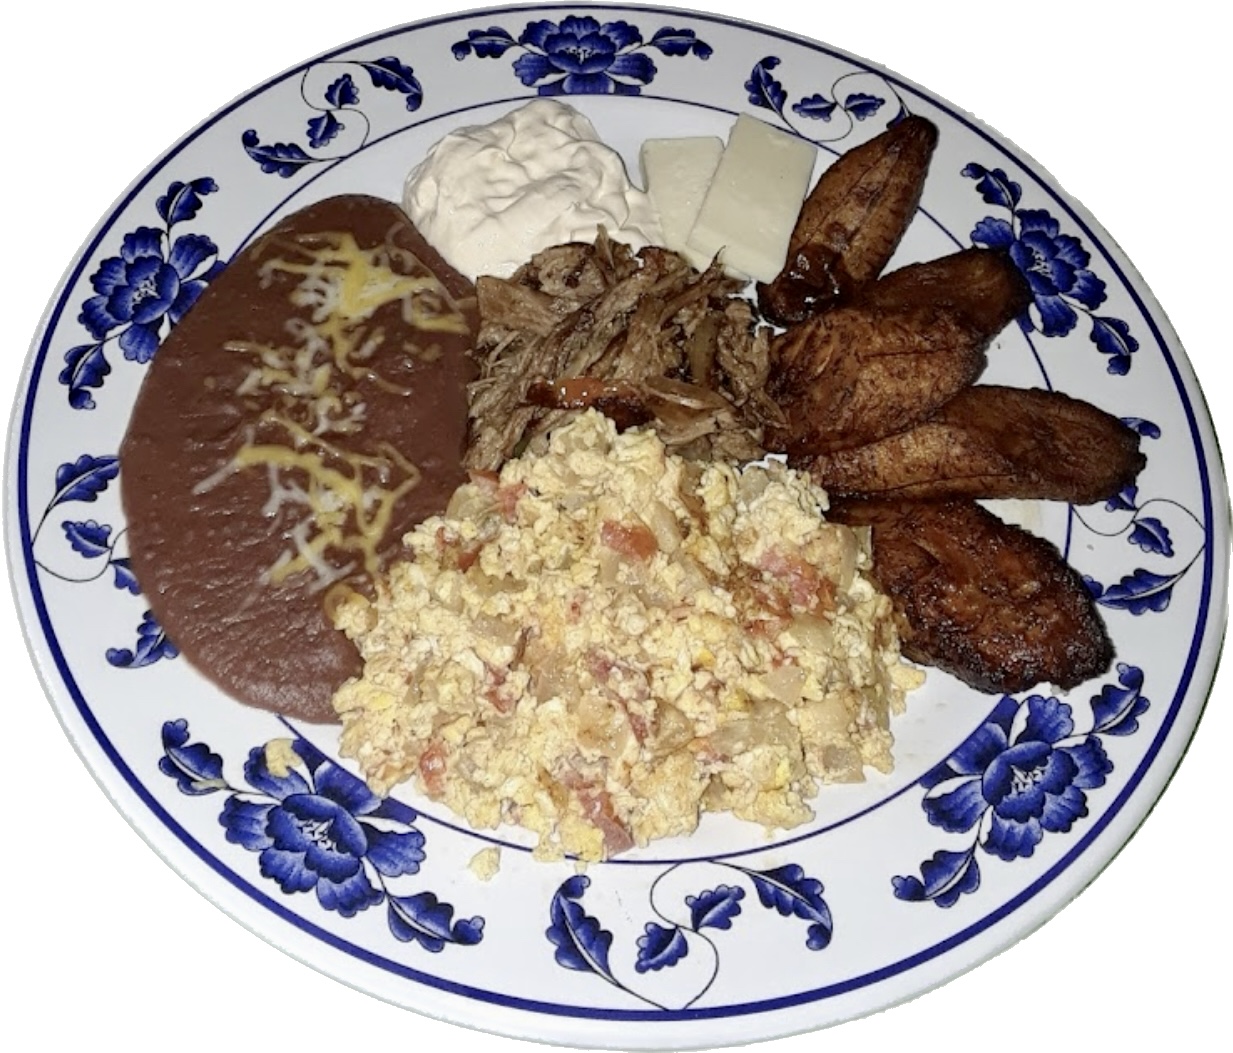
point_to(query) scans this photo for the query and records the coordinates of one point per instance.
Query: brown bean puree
(306, 413)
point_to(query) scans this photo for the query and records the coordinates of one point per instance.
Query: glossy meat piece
(888, 360)
(994, 442)
(986, 601)
(851, 222)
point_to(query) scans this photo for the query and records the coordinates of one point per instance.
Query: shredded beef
(645, 338)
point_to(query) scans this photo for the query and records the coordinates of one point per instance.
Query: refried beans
(305, 414)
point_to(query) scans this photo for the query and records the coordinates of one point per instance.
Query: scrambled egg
(606, 640)
(486, 863)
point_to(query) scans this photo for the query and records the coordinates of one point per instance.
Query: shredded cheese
(348, 495)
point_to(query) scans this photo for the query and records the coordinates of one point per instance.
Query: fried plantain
(983, 288)
(888, 360)
(984, 600)
(993, 442)
(851, 222)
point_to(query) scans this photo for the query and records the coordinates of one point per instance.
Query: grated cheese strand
(349, 496)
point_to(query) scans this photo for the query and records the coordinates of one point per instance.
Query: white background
(101, 941)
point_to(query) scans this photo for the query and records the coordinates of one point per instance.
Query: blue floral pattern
(651, 942)
(1023, 773)
(582, 944)
(1145, 590)
(83, 480)
(581, 56)
(334, 107)
(1167, 532)
(142, 292)
(1056, 265)
(1064, 289)
(316, 828)
(839, 109)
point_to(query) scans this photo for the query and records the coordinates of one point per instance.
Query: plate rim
(1215, 568)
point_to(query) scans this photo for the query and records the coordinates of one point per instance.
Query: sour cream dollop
(489, 197)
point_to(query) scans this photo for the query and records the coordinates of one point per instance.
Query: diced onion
(813, 633)
(785, 683)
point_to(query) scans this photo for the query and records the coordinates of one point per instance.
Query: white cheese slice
(676, 174)
(754, 198)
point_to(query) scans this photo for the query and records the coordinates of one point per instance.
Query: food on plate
(989, 602)
(486, 863)
(305, 413)
(489, 197)
(991, 441)
(605, 640)
(638, 619)
(851, 222)
(893, 355)
(645, 337)
(676, 174)
(751, 205)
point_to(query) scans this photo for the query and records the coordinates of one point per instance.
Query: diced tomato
(801, 582)
(498, 691)
(638, 724)
(767, 628)
(598, 810)
(597, 807)
(432, 769)
(599, 664)
(508, 498)
(632, 540)
(445, 539)
(610, 675)
(453, 553)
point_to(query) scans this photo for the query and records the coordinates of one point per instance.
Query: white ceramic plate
(927, 943)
